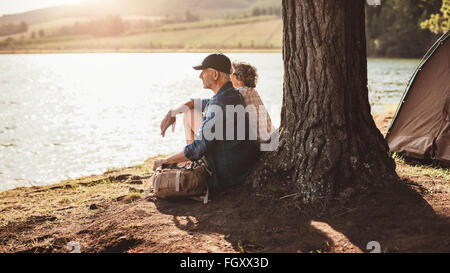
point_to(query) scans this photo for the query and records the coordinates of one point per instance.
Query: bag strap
(205, 199)
(156, 180)
(203, 162)
(177, 181)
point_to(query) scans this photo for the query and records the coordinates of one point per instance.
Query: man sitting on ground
(218, 137)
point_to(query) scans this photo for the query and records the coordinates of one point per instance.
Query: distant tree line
(11, 28)
(187, 17)
(273, 10)
(255, 11)
(393, 28)
(191, 17)
(111, 25)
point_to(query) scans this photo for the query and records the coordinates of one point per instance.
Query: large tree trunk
(329, 142)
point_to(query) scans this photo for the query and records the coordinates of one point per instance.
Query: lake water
(69, 115)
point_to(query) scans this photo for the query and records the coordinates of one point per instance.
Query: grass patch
(132, 197)
(64, 201)
(416, 168)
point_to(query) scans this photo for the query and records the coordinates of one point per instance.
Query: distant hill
(40, 15)
(204, 8)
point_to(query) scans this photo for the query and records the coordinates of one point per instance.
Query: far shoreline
(97, 51)
(181, 50)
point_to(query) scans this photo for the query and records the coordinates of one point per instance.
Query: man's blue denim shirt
(229, 160)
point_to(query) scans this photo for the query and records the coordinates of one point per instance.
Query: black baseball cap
(216, 61)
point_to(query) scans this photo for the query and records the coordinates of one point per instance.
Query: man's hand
(168, 120)
(158, 163)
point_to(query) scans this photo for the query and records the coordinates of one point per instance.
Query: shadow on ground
(399, 219)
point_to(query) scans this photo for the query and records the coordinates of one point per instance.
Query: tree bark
(329, 142)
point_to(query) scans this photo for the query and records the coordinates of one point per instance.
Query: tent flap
(421, 126)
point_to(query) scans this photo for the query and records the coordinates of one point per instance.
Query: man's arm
(197, 148)
(170, 117)
(176, 158)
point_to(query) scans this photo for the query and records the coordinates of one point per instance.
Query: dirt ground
(107, 213)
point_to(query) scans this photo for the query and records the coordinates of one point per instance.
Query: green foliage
(393, 28)
(438, 23)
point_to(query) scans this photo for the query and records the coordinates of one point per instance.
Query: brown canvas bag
(188, 179)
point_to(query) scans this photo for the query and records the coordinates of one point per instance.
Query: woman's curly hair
(246, 73)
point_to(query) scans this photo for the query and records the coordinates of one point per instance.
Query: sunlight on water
(387, 80)
(70, 115)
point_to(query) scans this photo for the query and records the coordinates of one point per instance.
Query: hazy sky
(17, 6)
